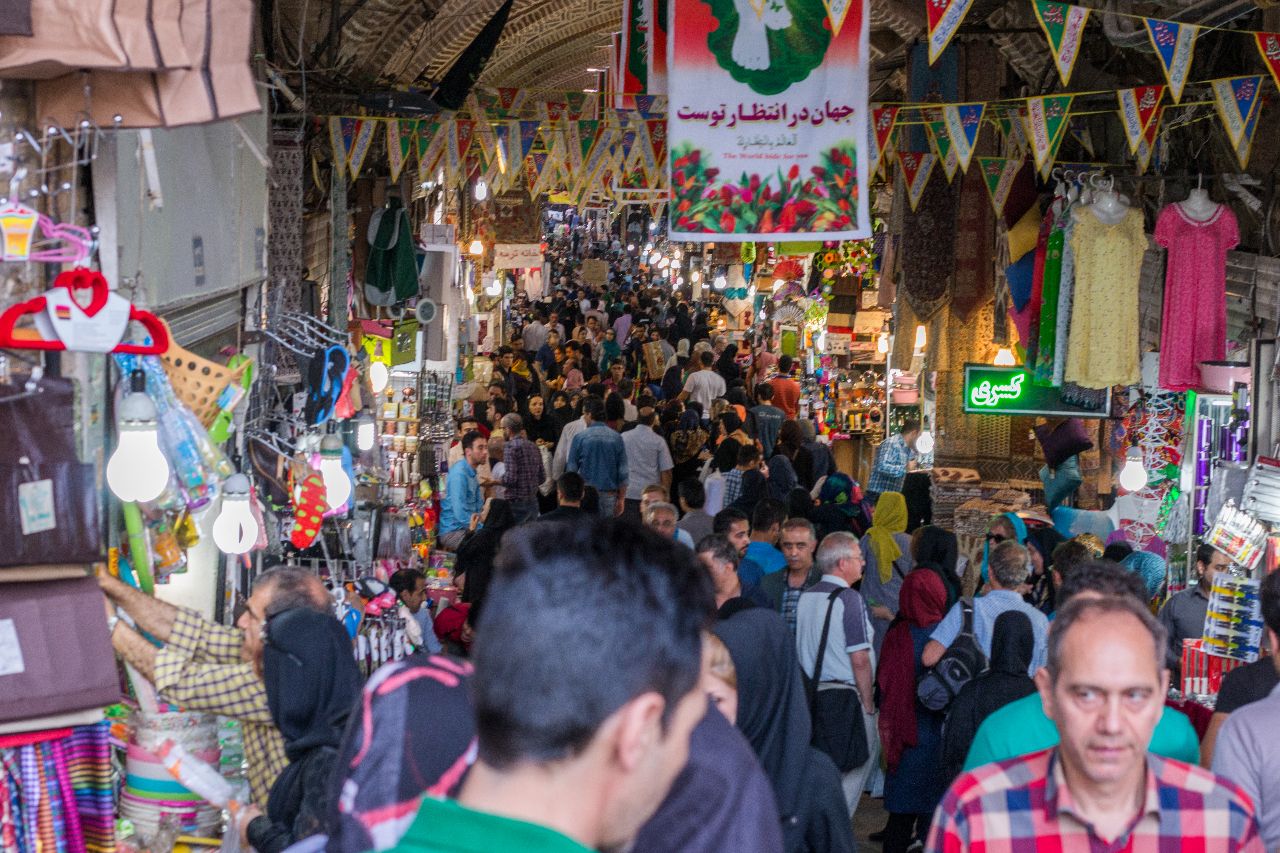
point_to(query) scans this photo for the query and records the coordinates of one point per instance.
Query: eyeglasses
(996, 538)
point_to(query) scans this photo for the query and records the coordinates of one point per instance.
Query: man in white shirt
(648, 461)
(704, 384)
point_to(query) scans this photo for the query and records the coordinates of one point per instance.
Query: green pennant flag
(940, 140)
(1046, 122)
(1063, 25)
(576, 101)
(587, 130)
(998, 174)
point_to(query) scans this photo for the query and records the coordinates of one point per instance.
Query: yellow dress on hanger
(1102, 345)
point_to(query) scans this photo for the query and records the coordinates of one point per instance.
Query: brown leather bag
(219, 84)
(67, 35)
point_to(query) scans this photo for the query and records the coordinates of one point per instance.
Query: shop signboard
(992, 390)
(517, 256)
(767, 120)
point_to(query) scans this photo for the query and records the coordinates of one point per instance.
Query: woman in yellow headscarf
(886, 550)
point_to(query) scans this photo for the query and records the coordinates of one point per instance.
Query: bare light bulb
(138, 470)
(920, 338)
(379, 376)
(882, 343)
(924, 442)
(695, 276)
(654, 258)
(482, 190)
(1133, 476)
(1004, 358)
(476, 248)
(337, 485)
(236, 530)
(720, 282)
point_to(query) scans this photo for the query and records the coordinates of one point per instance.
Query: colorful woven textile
(56, 795)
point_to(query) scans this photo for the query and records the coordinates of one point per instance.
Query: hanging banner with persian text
(767, 120)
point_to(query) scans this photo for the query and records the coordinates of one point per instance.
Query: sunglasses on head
(997, 538)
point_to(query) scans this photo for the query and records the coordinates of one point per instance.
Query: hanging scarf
(922, 604)
(1019, 535)
(890, 517)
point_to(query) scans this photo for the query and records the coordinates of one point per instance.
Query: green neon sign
(992, 390)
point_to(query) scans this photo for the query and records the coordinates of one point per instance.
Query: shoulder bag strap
(822, 645)
(966, 612)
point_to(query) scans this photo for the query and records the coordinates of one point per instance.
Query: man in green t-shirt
(585, 692)
(1022, 727)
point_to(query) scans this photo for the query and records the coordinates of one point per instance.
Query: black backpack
(962, 662)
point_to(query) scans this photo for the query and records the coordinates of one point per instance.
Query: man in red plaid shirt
(1099, 789)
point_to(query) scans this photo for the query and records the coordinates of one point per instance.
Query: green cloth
(391, 273)
(1021, 727)
(1048, 331)
(444, 826)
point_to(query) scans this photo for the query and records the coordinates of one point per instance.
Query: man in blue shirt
(1009, 566)
(766, 418)
(463, 500)
(600, 456)
(895, 456)
(766, 527)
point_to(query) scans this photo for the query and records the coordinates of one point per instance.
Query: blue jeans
(525, 510)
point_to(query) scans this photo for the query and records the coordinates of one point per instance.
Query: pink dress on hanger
(1194, 325)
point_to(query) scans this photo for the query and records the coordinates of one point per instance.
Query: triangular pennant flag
(916, 168)
(503, 134)
(645, 104)
(365, 129)
(464, 129)
(431, 147)
(1236, 99)
(837, 10)
(555, 110)
(1174, 44)
(577, 102)
(998, 174)
(1137, 108)
(874, 149)
(1046, 124)
(510, 100)
(883, 120)
(1246, 142)
(945, 17)
(1079, 130)
(528, 136)
(1063, 25)
(452, 153)
(1269, 47)
(964, 121)
(338, 142)
(1013, 127)
(400, 136)
(1147, 145)
(658, 141)
(943, 147)
(588, 132)
(539, 161)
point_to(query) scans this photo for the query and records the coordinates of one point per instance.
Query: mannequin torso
(1108, 207)
(1199, 206)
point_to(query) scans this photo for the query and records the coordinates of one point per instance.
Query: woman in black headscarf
(312, 686)
(774, 716)
(479, 549)
(1012, 645)
(727, 365)
(938, 551)
(1041, 542)
(539, 424)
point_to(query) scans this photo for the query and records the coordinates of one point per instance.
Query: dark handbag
(838, 727)
(962, 662)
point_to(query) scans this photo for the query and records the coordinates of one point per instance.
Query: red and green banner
(945, 18)
(635, 64)
(883, 120)
(1063, 25)
(767, 118)
(656, 45)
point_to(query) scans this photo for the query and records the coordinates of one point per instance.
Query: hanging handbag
(49, 513)
(839, 729)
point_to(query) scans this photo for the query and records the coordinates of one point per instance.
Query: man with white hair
(848, 662)
(661, 518)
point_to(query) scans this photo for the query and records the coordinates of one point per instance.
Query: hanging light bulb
(648, 247)
(720, 282)
(653, 225)
(920, 338)
(679, 281)
(695, 276)
(1133, 475)
(1004, 358)
(924, 442)
(482, 189)
(631, 247)
(677, 254)
(235, 530)
(476, 248)
(365, 431)
(379, 376)
(663, 263)
(337, 485)
(882, 343)
(138, 470)
(494, 288)
(654, 258)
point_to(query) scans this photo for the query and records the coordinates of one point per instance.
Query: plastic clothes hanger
(64, 324)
